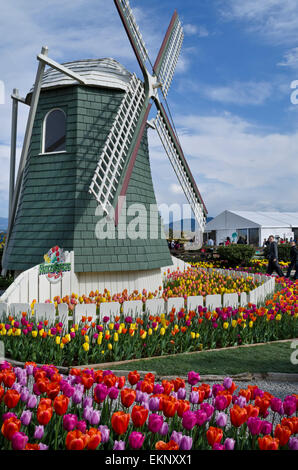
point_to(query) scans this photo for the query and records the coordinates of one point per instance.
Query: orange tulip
(53, 390)
(110, 380)
(238, 416)
(76, 440)
(214, 435)
(283, 434)
(61, 404)
(183, 405)
(268, 443)
(94, 438)
(128, 396)
(168, 387)
(120, 421)
(133, 377)
(147, 387)
(44, 414)
(169, 406)
(11, 398)
(139, 416)
(252, 411)
(10, 426)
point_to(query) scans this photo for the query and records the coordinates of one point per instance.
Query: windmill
(62, 178)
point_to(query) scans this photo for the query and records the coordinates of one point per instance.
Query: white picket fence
(136, 308)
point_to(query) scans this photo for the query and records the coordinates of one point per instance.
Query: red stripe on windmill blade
(131, 165)
(165, 41)
(181, 155)
(129, 34)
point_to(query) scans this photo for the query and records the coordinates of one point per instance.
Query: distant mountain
(188, 226)
(3, 224)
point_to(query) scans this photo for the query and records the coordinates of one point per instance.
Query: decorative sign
(54, 265)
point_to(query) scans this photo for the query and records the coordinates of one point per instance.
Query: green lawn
(254, 359)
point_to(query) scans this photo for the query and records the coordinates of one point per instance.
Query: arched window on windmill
(54, 131)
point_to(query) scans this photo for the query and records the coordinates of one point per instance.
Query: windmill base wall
(29, 285)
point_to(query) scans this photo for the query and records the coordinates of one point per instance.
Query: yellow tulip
(111, 326)
(162, 331)
(9, 332)
(99, 338)
(110, 347)
(234, 323)
(76, 327)
(34, 333)
(61, 345)
(197, 335)
(86, 347)
(251, 324)
(86, 338)
(193, 335)
(58, 339)
(144, 335)
(41, 332)
(116, 337)
(225, 325)
(150, 331)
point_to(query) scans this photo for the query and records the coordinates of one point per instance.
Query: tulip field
(42, 409)
(124, 338)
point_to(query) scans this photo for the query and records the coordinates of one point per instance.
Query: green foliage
(236, 255)
(283, 252)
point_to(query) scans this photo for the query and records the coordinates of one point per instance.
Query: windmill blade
(168, 55)
(180, 166)
(113, 157)
(133, 32)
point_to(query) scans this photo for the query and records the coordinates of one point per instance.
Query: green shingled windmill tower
(85, 159)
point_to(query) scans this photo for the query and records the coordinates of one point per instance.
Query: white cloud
(254, 93)
(195, 30)
(236, 165)
(275, 20)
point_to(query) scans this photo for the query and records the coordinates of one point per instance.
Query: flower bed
(95, 410)
(149, 336)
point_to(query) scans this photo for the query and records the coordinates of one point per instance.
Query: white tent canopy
(254, 226)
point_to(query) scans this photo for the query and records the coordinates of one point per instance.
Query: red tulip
(120, 421)
(11, 398)
(128, 396)
(139, 416)
(61, 404)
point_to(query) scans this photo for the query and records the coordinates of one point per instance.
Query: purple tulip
(87, 413)
(43, 446)
(177, 437)
(113, 393)
(221, 420)
(227, 383)
(276, 404)
(77, 396)
(16, 386)
(289, 405)
(164, 429)
(229, 444)
(185, 443)
(105, 433)
(101, 392)
(193, 378)
(194, 397)
(154, 404)
(217, 388)
(8, 415)
(26, 417)
(266, 427)
(136, 440)
(201, 416)
(209, 409)
(39, 432)
(181, 394)
(218, 446)
(81, 426)
(155, 422)
(87, 402)
(189, 420)
(19, 441)
(95, 417)
(32, 401)
(68, 390)
(293, 443)
(241, 401)
(220, 402)
(70, 422)
(119, 445)
(158, 388)
(254, 425)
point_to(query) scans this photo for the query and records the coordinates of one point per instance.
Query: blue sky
(230, 96)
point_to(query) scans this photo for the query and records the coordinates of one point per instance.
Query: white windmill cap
(104, 73)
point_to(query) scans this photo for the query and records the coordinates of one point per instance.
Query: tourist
(293, 259)
(241, 241)
(210, 242)
(228, 241)
(273, 258)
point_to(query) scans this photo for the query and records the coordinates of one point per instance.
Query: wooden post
(24, 154)
(13, 145)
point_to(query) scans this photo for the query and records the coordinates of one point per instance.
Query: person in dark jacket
(293, 259)
(273, 258)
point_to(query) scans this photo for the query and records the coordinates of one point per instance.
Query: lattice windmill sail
(162, 75)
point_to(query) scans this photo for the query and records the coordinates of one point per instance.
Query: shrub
(236, 255)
